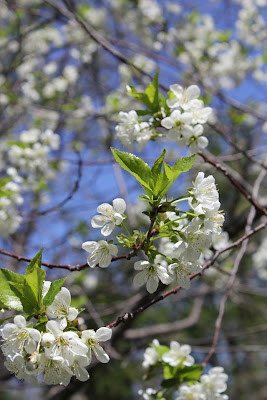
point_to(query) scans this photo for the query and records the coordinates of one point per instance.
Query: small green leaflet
(151, 98)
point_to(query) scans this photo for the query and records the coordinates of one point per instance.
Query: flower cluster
(186, 115)
(28, 170)
(57, 350)
(130, 130)
(210, 385)
(193, 236)
(10, 198)
(111, 216)
(176, 355)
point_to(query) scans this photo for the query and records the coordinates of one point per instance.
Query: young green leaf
(140, 96)
(28, 299)
(152, 92)
(136, 166)
(170, 174)
(8, 298)
(156, 169)
(53, 291)
(35, 262)
(35, 280)
(191, 374)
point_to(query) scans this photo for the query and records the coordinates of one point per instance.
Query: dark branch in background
(222, 131)
(132, 254)
(175, 290)
(234, 182)
(71, 194)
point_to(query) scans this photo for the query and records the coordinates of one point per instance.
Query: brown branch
(69, 267)
(222, 131)
(162, 329)
(234, 182)
(175, 290)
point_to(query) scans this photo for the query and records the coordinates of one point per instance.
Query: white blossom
(111, 216)
(92, 339)
(58, 343)
(204, 194)
(181, 270)
(214, 383)
(178, 354)
(151, 356)
(101, 253)
(60, 308)
(150, 275)
(17, 337)
(183, 97)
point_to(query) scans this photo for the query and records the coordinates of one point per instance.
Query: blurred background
(64, 69)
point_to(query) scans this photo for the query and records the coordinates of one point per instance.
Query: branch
(234, 182)
(162, 329)
(175, 290)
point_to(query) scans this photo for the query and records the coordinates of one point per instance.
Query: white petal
(105, 260)
(103, 334)
(152, 284)
(100, 353)
(140, 279)
(34, 334)
(139, 265)
(30, 346)
(118, 218)
(53, 327)
(192, 92)
(90, 246)
(183, 280)
(105, 209)
(81, 373)
(167, 123)
(73, 312)
(20, 321)
(119, 206)
(98, 221)
(177, 90)
(108, 228)
(113, 249)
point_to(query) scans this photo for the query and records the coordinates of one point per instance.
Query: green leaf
(169, 372)
(28, 300)
(142, 113)
(161, 349)
(150, 98)
(140, 96)
(170, 174)
(152, 92)
(36, 262)
(191, 374)
(156, 169)
(168, 383)
(35, 280)
(53, 291)
(136, 166)
(8, 297)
